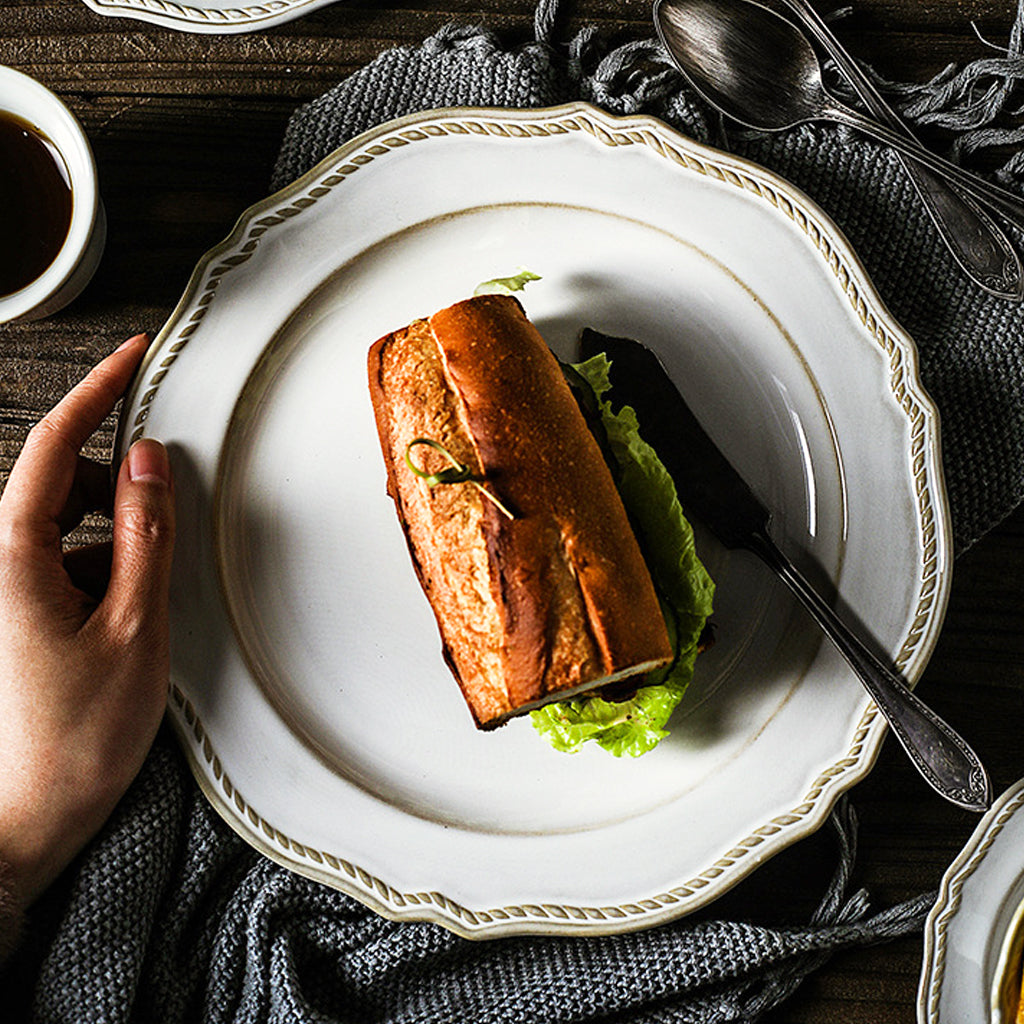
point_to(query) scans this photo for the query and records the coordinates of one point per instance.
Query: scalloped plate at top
(308, 685)
(208, 16)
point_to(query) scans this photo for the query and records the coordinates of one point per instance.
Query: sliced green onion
(455, 473)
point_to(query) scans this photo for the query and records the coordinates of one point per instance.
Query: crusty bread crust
(558, 599)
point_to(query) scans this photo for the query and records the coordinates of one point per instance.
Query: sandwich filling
(685, 591)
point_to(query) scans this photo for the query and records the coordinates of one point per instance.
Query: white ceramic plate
(208, 16)
(308, 683)
(974, 935)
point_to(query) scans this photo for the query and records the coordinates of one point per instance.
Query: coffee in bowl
(35, 203)
(52, 222)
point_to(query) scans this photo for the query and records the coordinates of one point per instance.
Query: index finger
(41, 479)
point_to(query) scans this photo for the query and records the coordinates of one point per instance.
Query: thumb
(140, 572)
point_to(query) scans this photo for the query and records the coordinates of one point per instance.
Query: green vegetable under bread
(684, 588)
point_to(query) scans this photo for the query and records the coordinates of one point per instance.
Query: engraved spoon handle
(941, 756)
(975, 240)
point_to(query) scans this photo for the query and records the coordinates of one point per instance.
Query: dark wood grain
(185, 130)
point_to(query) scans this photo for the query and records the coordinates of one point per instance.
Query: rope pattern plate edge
(353, 878)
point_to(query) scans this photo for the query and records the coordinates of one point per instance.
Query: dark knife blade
(709, 488)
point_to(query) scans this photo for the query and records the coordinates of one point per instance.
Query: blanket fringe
(979, 105)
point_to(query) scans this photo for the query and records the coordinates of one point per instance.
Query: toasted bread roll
(555, 600)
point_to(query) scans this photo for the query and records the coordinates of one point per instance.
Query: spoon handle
(976, 242)
(941, 756)
(1000, 200)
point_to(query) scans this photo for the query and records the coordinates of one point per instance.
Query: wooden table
(185, 129)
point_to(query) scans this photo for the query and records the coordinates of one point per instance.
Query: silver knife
(712, 492)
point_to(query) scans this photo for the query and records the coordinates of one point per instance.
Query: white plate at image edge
(974, 925)
(208, 16)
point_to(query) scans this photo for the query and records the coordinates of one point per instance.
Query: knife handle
(940, 754)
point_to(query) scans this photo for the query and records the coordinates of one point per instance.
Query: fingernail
(147, 461)
(131, 341)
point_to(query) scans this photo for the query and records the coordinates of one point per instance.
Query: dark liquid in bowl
(35, 203)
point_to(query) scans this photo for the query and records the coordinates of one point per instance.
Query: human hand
(83, 673)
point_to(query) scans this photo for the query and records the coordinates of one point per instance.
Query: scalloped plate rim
(808, 814)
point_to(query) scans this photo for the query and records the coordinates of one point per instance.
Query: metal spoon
(758, 69)
(975, 241)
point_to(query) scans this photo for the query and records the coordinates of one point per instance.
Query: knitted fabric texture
(169, 916)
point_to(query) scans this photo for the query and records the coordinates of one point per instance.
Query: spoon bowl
(744, 60)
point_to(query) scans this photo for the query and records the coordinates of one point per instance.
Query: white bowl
(76, 262)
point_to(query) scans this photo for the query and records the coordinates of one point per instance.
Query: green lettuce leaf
(685, 590)
(507, 285)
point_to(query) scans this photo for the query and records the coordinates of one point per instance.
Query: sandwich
(520, 537)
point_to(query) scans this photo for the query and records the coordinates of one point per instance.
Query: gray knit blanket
(169, 916)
